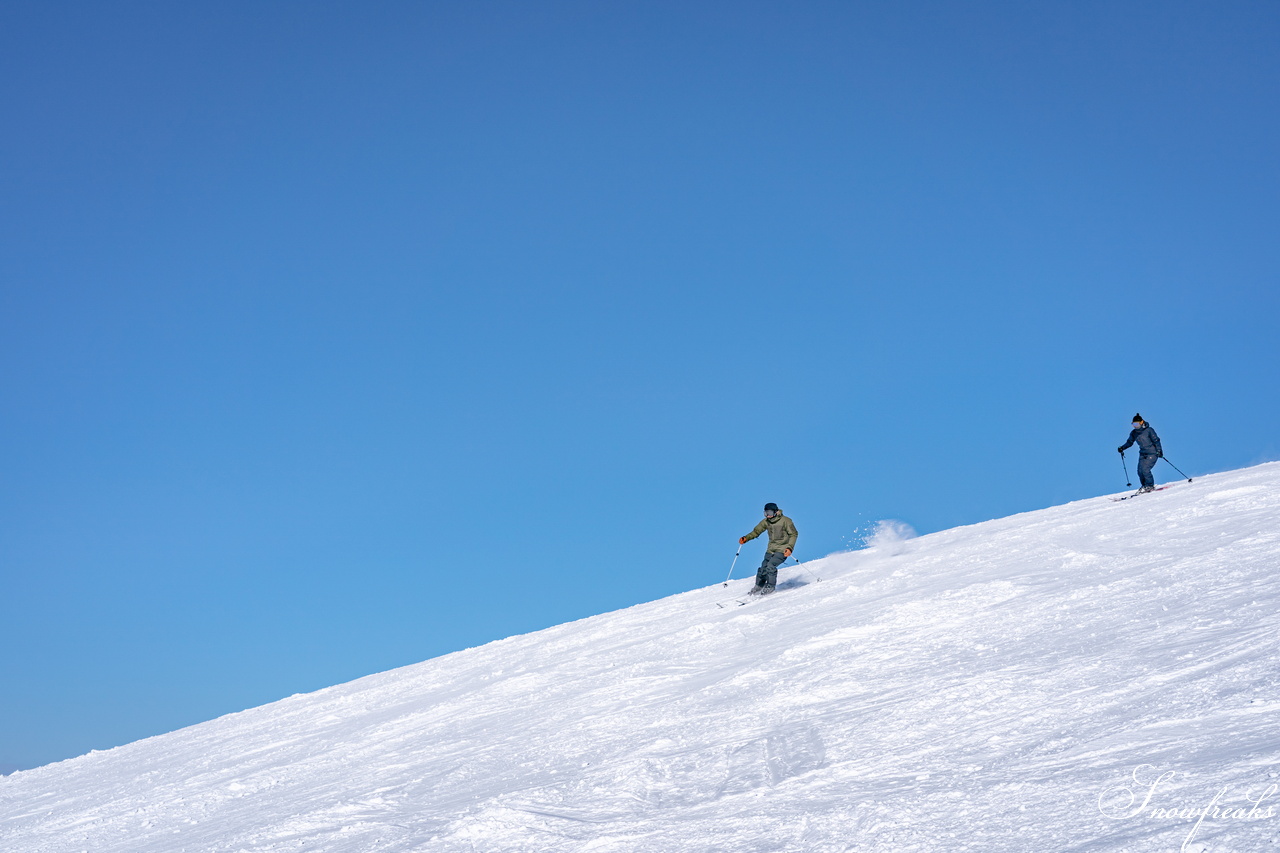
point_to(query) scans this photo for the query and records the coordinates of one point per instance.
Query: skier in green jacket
(782, 540)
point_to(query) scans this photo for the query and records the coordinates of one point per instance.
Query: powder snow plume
(889, 537)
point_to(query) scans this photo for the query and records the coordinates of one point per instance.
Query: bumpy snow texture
(1024, 684)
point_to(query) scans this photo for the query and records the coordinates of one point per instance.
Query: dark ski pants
(1145, 463)
(767, 574)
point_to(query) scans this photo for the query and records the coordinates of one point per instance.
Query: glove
(786, 552)
(1159, 455)
(1121, 449)
(742, 540)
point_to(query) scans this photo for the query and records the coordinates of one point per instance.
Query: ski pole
(731, 565)
(1176, 468)
(1126, 469)
(806, 568)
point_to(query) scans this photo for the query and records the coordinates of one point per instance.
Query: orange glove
(742, 540)
(786, 552)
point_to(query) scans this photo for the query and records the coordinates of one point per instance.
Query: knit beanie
(1137, 419)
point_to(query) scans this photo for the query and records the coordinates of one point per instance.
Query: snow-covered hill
(992, 687)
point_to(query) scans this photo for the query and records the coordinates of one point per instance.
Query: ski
(743, 601)
(736, 602)
(1136, 494)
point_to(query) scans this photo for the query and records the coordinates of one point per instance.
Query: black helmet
(773, 507)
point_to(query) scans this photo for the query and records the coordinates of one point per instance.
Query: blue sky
(338, 336)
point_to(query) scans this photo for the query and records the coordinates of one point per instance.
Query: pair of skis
(1139, 493)
(744, 601)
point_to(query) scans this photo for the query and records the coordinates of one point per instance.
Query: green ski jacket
(782, 533)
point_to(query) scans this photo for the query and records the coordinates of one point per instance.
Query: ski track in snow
(973, 689)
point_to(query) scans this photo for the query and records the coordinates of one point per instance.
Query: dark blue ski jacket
(1146, 439)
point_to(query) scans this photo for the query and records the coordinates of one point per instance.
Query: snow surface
(1003, 686)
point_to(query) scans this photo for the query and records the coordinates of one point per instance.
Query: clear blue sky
(337, 336)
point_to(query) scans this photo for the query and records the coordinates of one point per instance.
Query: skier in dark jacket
(1149, 451)
(782, 539)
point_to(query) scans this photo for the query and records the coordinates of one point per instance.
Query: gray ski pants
(767, 574)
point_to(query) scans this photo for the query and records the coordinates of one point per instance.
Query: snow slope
(992, 687)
